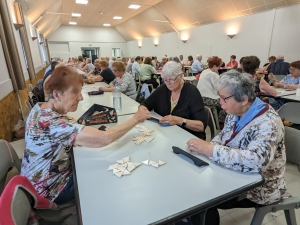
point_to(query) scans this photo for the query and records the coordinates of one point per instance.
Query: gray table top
(129, 106)
(149, 194)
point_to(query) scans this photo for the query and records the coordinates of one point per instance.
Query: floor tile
(222, 213)
(289, 177)
(228, 220)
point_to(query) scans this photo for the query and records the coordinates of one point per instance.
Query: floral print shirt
(257, 148)
(46, 160)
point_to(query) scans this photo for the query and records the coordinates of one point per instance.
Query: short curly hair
(103, 63)
(214, 61)
(251, 64)
(120, 66)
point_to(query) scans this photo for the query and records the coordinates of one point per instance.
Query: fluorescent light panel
(82, 1)
(73, 23)
(106, 24)
(134, 6)
(76, 14)
(117, 17)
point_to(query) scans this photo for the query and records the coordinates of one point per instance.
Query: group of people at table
(252, 140)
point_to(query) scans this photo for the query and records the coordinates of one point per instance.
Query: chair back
(8, 160)
(210, 122)
(292, 144)
(279, 77)
(290, 111)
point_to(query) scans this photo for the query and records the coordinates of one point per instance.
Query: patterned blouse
(288, 80)
(46, 160)
(257, 148)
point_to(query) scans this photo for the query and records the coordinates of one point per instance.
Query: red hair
(214, 61)
(61, 79)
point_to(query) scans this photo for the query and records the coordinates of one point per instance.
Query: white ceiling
(140, 23)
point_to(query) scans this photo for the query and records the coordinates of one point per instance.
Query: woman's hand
(272, 78)
(142, 114)
(172, 120)
(200, 146)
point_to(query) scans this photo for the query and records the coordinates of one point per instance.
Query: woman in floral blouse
(50, 134)
(252, 141)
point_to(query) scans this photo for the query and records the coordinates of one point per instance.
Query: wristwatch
(183, 123)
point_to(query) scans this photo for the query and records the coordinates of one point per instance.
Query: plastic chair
(215, 116)
(19, 198)
(288, 205)
(8, 160)
(290, 111)
(279, 77)
(210, 123)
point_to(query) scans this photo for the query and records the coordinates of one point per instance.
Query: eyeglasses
(224, 99)
(171, 81)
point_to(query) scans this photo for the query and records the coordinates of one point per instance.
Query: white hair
(171, 68)
(61, 64)
(198, 56)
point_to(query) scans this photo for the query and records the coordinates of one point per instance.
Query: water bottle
(117, 100)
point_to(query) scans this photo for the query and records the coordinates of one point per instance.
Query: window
(116, 52)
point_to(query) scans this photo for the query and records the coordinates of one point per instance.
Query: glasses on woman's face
(293, 69)
(171, 81)
(224, 99)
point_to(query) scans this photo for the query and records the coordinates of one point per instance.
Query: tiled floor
(244, 216)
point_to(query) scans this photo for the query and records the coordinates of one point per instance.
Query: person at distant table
(102, 72)
(232, 63)
(124, 80)
(252, 141)
(180, 103)
(197, 65)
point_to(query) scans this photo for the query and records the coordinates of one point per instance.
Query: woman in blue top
(291, 81)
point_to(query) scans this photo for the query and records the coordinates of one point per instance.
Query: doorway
(90, 52)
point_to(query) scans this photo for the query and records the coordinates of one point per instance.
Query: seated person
(190, 61)
(197, 65)
(180, 103)
(162, 63)
(102, 72)
(50, 134)
(250, 65)
(252, 141)
(146, 71)
(124, 80)
(240, 69)
(279, 67)
(207, 86)
(291, 81)
(88, 67)
(232, 63)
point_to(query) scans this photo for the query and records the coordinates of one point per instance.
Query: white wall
(91, 37)
(253, 37)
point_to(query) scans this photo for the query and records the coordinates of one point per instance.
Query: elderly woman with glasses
(252, 141)
(179, 102)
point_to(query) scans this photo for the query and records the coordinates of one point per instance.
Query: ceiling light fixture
(106, 24)
(82, 1)
(76, 14)
(134, 6)
(117, 17)
(73, 23)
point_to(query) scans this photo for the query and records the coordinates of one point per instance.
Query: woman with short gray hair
(178, 102)
(252, 141)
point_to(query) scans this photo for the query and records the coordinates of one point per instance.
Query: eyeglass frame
(224, 99)
(172, 81)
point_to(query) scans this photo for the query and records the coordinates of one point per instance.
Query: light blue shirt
(197, 66)
(136, 68)
(48, 69)
(288, 80)
(110, 62)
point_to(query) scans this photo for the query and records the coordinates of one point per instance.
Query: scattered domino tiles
(123, 167)
(144, 136)
(154, 164)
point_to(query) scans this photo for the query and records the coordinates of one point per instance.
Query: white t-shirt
(207, 84)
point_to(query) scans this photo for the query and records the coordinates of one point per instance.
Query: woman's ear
(56, 95)
(245, 100)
